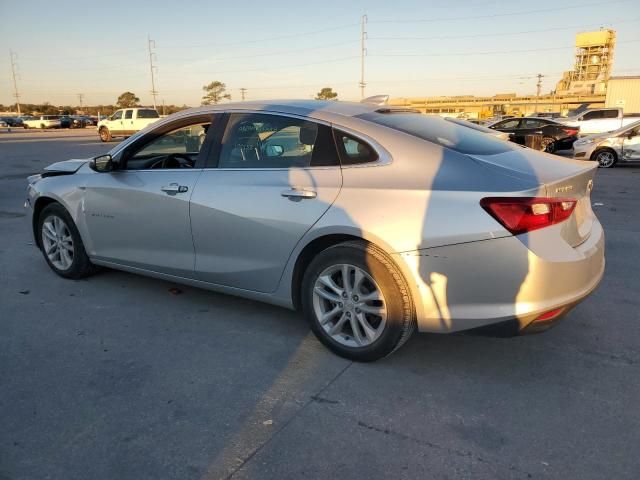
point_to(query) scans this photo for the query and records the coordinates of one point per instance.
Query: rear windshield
(441, 132)
(148, 114)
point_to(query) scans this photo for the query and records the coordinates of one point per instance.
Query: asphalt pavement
(124, 377)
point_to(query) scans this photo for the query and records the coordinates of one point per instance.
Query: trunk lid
(561, 178)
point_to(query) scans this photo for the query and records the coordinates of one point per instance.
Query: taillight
(570, 132)
(524, 214)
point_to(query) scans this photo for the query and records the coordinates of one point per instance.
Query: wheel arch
(604, 149)
(40, 204)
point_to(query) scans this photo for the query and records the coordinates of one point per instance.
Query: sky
(291, 49)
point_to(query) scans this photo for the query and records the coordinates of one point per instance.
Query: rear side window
(354, 151)
(437, 130)
(610, 114)
(274, 141)
(147, 113)
(593, 115)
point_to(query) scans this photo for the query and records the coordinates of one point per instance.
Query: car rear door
(139, 216)
(273, 178)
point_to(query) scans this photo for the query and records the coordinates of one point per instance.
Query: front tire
(606, 158)
(105, 134)
(61, 244)
(357, 302)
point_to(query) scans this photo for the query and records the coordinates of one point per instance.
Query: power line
(152, 44)
(504, 34)
(14, 65)
(497, 15)
(494, 52)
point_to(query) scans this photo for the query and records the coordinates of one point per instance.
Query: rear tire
(61, 244)
(605, 157)
(548, 145)
(368, 318)
(105, 134)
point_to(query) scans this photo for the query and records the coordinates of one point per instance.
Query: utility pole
(242, 93)
(152, 46)
(538, 89)
(14, 66)
(363, 52)
(163, 107)
(80, 97)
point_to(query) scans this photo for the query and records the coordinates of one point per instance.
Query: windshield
(441, 132)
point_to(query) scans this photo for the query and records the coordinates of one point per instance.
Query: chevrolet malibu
(372, 220)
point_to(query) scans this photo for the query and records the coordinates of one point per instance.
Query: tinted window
(610, 114)
(354, 151)
(506, 124)
(273, 141)
(593, 115)
(533, 123)
(439, 131)
(147, 113)
(128, 114)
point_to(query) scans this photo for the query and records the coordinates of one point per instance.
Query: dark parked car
(12, 121)
(555, 136)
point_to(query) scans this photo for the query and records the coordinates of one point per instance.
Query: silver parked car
(622, 145)
(372, 221)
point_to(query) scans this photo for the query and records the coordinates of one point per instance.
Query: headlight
(34, 178)
(586, 141)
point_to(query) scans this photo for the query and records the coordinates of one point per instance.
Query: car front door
(631, 145)
(510, 126)
(127, 122)
(115, 124)
(275, 177)
(138, 215)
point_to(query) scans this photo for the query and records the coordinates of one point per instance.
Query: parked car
(555, 136)
(78, 121)
(600, 120)
(126, 122)
(12, 121)
(372, 221)
(622, 145)
(479, 128)
(43, 121)
(3, 124)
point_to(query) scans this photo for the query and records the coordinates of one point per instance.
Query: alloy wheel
(605, 159)
(57, 242)
(349, 305)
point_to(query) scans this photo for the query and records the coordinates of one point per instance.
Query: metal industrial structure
(593, 64)
(586, 84)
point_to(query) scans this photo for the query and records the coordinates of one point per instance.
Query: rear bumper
(511, 279)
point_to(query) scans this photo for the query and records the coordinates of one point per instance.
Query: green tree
(326, 93)
(127, 99)
(214, 93)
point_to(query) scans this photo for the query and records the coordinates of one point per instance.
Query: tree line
(214, 93)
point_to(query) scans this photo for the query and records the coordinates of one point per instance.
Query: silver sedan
(373, 221)
(622, 145)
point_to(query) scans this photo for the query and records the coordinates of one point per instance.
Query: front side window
(117, 115)
(178, 148)
(593, 115)
(253, 140)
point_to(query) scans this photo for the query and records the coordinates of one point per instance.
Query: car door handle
(295, 194)
(174, 188)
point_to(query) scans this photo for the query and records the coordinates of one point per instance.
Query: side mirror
(274, 150)
(103, 163)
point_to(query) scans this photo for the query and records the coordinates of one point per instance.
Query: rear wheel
(42, 126)
(606, 158)
(357, 302)
(61, 244)
(105, 134)
(548, 145)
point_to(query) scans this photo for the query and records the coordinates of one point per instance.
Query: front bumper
(583, 152)
(471, 285)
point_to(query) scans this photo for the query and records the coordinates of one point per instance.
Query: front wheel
(61, 244)
(105, 134)
(357, 302)
(605, 158)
